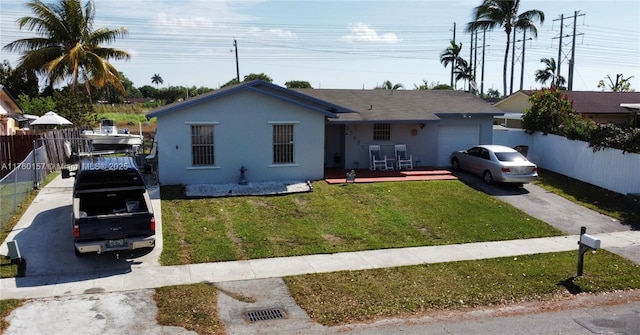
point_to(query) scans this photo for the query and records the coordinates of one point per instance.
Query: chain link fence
(16, 186)
(51, 152)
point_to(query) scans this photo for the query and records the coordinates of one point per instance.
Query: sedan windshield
(510, 157)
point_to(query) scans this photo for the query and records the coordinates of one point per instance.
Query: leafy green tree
(621, 84)
(36, 106)
(441, 87)
(551, 112)
(549, 73)
(617, 137)
(256, 76)
(297, 84)
(68, 46)
(148, 91)
(156, 79)
(423, 86)
(451, 55)
(75, 107)
(493, 93)
(231, 82)
(433, 86)
(19, 81)
(504, 13)
(388, 85)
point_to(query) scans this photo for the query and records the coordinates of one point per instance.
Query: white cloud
(180, 24)
(255, 31)
(363, 32)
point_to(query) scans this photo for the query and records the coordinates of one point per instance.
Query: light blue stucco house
(294, 134)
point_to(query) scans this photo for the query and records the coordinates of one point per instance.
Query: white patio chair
(403, 161)
(376, 160)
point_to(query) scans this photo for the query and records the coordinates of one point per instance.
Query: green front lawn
(337, 218)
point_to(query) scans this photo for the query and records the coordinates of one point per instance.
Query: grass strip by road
(411, 291)
(336, 218)
(6, 307)
(194, 307)
(361, 296)
(596, 198)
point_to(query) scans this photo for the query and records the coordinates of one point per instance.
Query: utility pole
(471, 64)
(513, 60)
(235, 44)
(572, 61)
(453, 63)
(484, 35)
(524, 42)
(559, 46)
(573, 47)
(475, 57)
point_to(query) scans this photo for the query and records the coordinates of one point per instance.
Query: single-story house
(277, 133)
(601, 107)
(9, 112)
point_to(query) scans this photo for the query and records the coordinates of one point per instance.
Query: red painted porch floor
(338, 176)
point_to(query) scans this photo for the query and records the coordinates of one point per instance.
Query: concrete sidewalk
(158, 276)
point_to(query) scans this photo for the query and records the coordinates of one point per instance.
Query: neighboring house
(9, 112)
(284, 134)
(601, 107)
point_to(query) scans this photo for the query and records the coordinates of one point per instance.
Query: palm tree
(463, 71)
(504, 13)
(451, 55)
(388, 85)
(156, 79)
(68, 46)
(549, 73)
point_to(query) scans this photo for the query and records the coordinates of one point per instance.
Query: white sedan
(495, 163)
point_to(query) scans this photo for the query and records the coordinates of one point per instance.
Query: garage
(456, 137)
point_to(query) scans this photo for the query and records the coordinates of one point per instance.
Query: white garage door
(454, 138)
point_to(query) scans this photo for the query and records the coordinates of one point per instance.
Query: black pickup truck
(111, 206)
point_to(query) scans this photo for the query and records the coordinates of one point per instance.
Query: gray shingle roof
(401, 105)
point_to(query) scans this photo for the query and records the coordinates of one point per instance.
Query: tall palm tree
(68, 46)
(451, 55)
(463, 71)
(549, 73)
(504, 13)
(388, 85)
(156, 79)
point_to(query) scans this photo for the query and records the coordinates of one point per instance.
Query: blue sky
(347, 44)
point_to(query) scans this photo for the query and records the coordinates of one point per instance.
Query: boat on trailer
(109, 137)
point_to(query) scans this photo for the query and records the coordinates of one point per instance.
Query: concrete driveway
(45, 237)
(555, 210)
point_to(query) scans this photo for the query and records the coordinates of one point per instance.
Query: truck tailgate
(113, 227)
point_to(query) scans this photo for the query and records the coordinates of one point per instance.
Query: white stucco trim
(201, 122)
(212, 167)
(283, 165)
(283, 122)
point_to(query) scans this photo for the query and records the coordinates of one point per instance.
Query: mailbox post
(586, 243)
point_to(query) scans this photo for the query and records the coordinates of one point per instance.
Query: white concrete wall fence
(608, 168)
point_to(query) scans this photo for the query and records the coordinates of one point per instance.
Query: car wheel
(455, 165)
(487, 177)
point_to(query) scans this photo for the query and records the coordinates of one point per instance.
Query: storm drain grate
(265, 314)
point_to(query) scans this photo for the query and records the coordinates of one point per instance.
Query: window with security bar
(381, 132)
(202, 145)
(282, 143)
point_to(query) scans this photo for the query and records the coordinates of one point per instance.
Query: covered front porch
(339, 176)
